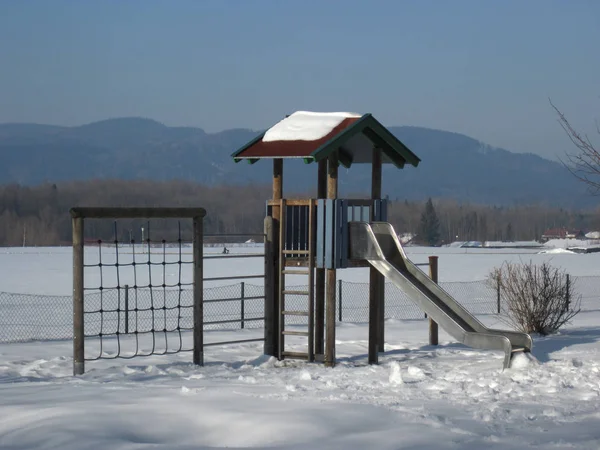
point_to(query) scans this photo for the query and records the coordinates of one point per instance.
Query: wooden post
(330, 274)
(271, 320)
(320, 272)
(376, 298)
(433, 326)
(276, 213)
(78, 320)
(198, 276)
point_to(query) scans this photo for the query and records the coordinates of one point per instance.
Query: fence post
(198, 277)
(340, 300)
(242, 295)
(498, 293)
(567, 292)
(78, 311)
(433, 326)
(126, 309)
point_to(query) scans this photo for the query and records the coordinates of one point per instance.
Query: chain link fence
(241, 305)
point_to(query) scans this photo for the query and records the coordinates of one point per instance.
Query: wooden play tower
(309, 237)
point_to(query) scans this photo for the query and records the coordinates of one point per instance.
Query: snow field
(419, 397)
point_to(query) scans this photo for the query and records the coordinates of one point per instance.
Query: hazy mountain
(453, 165)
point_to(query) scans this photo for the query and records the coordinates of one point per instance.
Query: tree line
(39, 215)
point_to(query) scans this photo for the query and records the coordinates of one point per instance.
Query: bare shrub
(535, 298)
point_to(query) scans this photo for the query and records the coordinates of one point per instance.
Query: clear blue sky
(483, 68)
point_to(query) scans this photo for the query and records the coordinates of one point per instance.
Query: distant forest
(39, 215)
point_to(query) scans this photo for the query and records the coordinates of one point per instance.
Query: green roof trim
(389, 144)
(394, 143)
(249, 144)
(336, 142)
(398, 153)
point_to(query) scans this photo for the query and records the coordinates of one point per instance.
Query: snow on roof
(306, 126)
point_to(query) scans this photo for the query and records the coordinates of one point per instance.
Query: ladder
(307, 309)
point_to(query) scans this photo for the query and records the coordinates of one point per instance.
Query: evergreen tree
(509, 232)
(430, 225)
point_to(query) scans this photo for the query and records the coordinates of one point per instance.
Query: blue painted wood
(342, 226)
(330, 253)
(320, 262)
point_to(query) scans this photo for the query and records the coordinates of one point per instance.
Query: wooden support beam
(320, 273)
(396, 159)
(345, 158)
(276, 214)
(376, 297)
(330, 274)
(271, 317)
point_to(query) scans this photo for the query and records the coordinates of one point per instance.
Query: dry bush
(535, 298)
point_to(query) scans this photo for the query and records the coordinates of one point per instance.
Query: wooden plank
(295, 333)
(291, 202)
(136, 213)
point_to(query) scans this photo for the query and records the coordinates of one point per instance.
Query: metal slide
(378, 244)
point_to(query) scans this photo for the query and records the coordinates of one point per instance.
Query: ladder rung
(296, 292)
(297, 355)
(295, 313)
(295, 333)
(295, 252)
(296, 272)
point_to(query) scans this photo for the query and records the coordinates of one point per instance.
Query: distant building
(562, 233)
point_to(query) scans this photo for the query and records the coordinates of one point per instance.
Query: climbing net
(138, 294)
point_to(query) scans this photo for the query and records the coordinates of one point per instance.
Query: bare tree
(536, 299)
(584, 163)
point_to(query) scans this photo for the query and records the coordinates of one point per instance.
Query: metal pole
(242, 289)
(126, 309)
(433, 326)
(78, 319)
(340, 300)
(198, 356)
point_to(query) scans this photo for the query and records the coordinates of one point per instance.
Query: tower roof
(313, 136)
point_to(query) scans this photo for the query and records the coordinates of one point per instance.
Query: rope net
(138, 296)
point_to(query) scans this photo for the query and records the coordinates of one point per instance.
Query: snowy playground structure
(310, 238)
(315, 237)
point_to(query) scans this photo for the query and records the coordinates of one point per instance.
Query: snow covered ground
(419, 397)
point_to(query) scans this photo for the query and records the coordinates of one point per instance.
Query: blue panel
(343, 235)
(320, 262)
(329, 234)
(366, 214)
(384, 210)
(381, 210)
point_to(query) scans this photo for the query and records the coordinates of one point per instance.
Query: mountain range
(452, 165)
